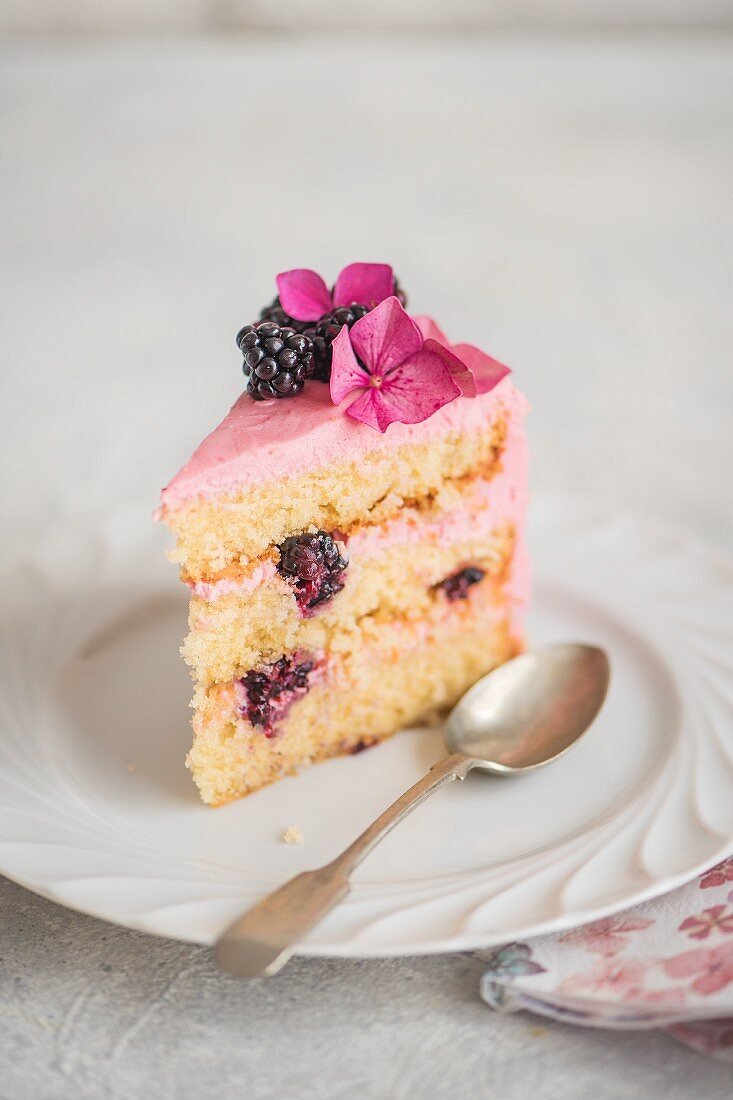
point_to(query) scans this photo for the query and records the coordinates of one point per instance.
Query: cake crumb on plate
(293, 835)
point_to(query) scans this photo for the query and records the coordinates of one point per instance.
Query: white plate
(99, 813)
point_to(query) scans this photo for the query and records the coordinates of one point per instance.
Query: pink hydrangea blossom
(404, 369)
(305, 296)
(395, 373)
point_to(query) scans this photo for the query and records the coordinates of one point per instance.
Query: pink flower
(606, 937)
(305, 296)
(717, 917)
(713, 967)
(718, 876)
(398, 375)
(618, 977)
(484, 370)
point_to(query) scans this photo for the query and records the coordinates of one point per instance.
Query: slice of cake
(352, 533)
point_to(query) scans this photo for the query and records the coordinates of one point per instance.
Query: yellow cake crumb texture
(399, 679)
(389, 649)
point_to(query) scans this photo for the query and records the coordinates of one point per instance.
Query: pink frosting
(267, 440)
(212, 590)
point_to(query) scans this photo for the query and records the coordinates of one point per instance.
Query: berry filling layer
(270, 692)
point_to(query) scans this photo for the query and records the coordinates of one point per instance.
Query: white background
(566, 205)
(564, 202)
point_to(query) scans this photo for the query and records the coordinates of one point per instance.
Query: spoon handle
(264, 938)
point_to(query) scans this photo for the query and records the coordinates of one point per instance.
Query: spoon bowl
(524, 714)
(529, 711)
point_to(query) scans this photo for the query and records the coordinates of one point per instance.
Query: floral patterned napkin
(667, 963)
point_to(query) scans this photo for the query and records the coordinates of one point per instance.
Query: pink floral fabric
(667, 963)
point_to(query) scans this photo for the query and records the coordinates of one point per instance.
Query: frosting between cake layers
(266, 441)
(487, 507)
(226, 586)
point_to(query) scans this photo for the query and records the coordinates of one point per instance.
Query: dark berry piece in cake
(275, 312)
(277, 359)
(314, 564)
(361, 746)
(272, 690)
(325, 331)
(457, 585)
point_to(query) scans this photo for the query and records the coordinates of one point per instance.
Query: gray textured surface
(89, 1010)
(565, 204)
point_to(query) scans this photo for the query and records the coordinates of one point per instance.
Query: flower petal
(347, 373)
(487, 372)
(462, 376)
(385, 337)
(431, 330)
(421, 385)
(370, 408)
(367, 284)
(470, 366)
(303, 294)
(410, 393)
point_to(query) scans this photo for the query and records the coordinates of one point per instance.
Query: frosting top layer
(267, 440)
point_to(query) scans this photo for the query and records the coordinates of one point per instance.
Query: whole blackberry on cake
(277, 359)
(325, 332)
(275, 312)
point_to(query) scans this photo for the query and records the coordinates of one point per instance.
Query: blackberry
(277, 359)
(275, 312)
(325, 331)
(314, 564)
(271, 691)
(457, 585)
(400, 294)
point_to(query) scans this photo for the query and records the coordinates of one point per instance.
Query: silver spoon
(525, 714)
